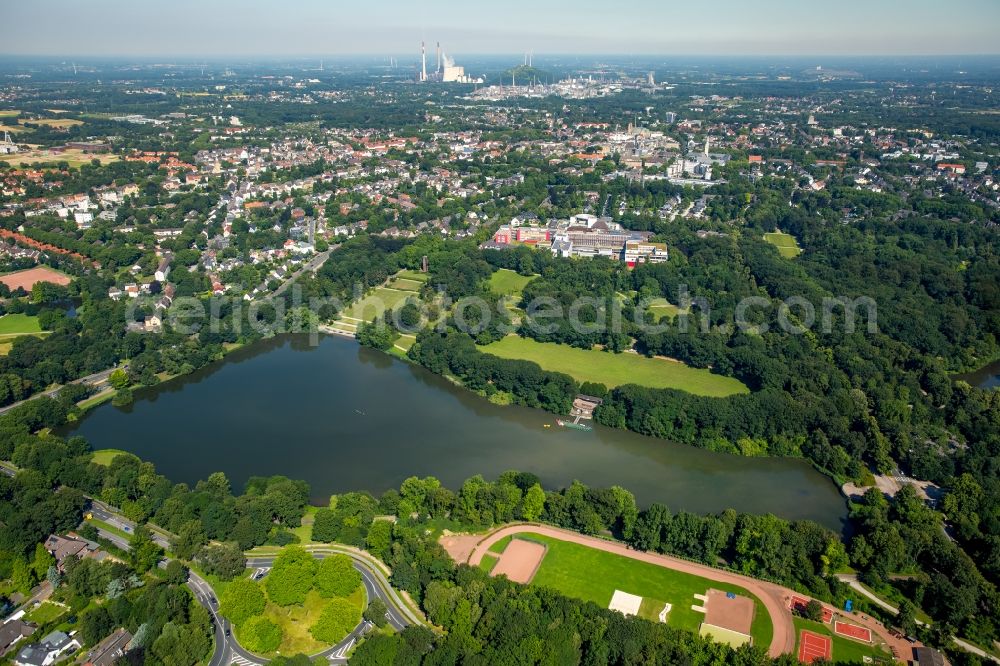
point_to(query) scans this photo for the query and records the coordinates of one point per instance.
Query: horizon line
(535, 54)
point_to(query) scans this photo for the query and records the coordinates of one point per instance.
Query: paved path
(856, 585)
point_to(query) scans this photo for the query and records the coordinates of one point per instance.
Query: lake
(344, 418)
(985, 377)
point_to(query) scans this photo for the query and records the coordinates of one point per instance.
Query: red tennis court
(813, 646)
(853, 631)
(799, 604)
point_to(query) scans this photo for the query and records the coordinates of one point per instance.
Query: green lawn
(506, 282)
(97, 399)
(374, 304)
(305, 530)
(46, 612)
(416, 276)
(105, 456)
(295, 621)
(616, 369)
(488, 562)
(405, 341)
(663, 309)
(501, 545)
(787, 246)
(19, 324)
(844, 649)
(594, 575)
(405, 284)
(108, 527)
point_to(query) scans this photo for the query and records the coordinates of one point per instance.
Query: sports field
(594, 575)
(813, 647)
(26, 279)
(506, 282)
(592, 365)
(787, 246)
(844, 649)
(73, 156)
(19, 324)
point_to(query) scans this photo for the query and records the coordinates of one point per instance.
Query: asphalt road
(228, 650)
(95, 379)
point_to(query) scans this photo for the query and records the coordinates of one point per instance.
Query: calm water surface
(985, 377)
(343, 418)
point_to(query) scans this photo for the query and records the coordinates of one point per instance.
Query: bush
(337, 577)
(123, 398)
(260, 635)
(283, 538)
(224, 560)
(336, 621)
(242, 600)
(375, 613)
(292, 576)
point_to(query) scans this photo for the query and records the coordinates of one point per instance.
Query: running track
(774, 597)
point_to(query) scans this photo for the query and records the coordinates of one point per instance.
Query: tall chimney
(439, 58)
(423, 62)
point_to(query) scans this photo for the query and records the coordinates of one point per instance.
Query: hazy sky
(329, 27)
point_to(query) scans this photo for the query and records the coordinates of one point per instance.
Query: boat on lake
(574, 426)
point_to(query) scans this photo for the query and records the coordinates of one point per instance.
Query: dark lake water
(343, 418)
(985, 377)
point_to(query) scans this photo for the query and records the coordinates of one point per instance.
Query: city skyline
(313, 28)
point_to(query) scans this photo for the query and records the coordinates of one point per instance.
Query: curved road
(227, 648)
(774, 597)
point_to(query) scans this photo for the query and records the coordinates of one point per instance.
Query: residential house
(13, 631)
(162, 270)
(64, 547)
(50, 649)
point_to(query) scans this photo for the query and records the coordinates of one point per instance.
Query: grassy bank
(506, 282)
(787, 246)
(592, 365)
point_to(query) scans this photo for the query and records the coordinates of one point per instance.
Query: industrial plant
(446, 70)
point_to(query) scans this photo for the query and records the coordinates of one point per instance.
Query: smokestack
(423, 62)
(439, 57)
